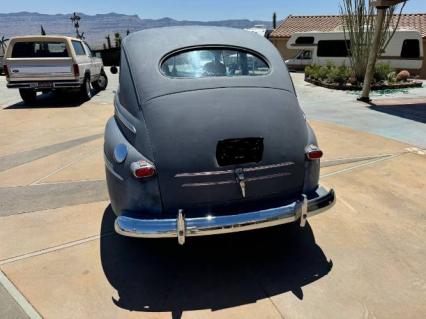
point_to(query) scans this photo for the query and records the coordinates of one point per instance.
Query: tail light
(142, 169)
(313, 152)
(76, 70)
(6, 70)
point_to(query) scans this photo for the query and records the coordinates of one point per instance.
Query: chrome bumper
(182, 227)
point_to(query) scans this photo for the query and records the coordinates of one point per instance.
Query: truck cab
(302, 59)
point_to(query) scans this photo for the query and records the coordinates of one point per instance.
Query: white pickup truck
(45, 63)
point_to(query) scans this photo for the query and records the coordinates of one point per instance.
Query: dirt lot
(60, 258)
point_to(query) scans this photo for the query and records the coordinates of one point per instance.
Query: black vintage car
(208, 137)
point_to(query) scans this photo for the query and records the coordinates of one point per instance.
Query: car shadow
(212, 272)
(415, 112)
(52, 100)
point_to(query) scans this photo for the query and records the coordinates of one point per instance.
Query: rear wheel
(86, 90)
(28, 96)
(102, 82)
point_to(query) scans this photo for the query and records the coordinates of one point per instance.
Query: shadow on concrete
(415, 112)
(212, 272)
(52, 100)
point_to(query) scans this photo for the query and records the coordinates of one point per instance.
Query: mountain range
(97, 27)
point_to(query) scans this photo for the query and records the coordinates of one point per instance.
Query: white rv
(405, 50)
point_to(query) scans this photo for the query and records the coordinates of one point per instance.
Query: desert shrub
(330, 73)
(391, 78)
(323, 72)
(312, 71)
(382, 71)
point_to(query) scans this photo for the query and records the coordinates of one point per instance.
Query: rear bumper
(38, 85)
(182, 227)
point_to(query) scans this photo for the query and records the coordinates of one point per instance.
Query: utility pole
(381, 6)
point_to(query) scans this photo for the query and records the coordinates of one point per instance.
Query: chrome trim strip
(123, 118)
(213, 173)
(230, 171)
(214, 225)
(233, 181)
(110, 167)
(261, 168)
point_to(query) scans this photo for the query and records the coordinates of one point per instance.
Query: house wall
(281, 45)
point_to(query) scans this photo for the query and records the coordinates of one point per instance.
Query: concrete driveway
(60, 258)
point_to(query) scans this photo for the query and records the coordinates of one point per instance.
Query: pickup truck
(48, 63)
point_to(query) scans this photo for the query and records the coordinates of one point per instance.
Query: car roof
(144, 51)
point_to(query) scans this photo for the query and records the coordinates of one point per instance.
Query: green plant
(323, 72)
(391, 78)
(382, 72)
(312, 71)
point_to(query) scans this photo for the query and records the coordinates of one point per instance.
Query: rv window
(333, 48)
(410, 49)
(305, 40)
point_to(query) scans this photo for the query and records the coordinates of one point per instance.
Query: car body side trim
(230, 171)
(122, 117)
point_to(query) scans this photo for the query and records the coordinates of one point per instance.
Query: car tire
(28, 96)
(86, 90)
(102, 82)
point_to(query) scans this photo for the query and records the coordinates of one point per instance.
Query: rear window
(214, 62)
(39, 49)
(78, 48)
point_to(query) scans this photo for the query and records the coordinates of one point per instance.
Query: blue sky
(189, 9)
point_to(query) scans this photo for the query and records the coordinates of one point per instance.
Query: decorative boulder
(403, 76)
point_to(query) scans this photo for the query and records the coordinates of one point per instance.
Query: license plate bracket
(45, 85)
(239, 151)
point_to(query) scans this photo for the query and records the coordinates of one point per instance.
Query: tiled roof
(330, 23)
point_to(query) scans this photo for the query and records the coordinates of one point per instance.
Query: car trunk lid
(226, 146)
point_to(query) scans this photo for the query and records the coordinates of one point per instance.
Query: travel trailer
(405, 50)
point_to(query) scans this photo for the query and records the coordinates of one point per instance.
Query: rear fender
(312, 168)
(141, 196)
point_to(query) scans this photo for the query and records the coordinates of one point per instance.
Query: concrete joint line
(18, 297)
(361, 165)
(63, 167)
(53, 249)
(341, 161)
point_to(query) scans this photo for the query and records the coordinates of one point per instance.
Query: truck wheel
(28, 96)
(86, 90)
(102, 83)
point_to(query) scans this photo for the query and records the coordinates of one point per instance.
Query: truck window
(333, 48)
(410, 49)
(39, 49)
(78, 47)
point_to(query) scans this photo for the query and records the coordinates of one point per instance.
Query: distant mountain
(97, 27)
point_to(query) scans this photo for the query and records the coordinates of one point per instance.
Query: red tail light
(6, 70)
(142, 169)
(76, 70)
(313, 152)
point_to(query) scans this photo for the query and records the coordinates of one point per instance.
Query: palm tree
(3, 44)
